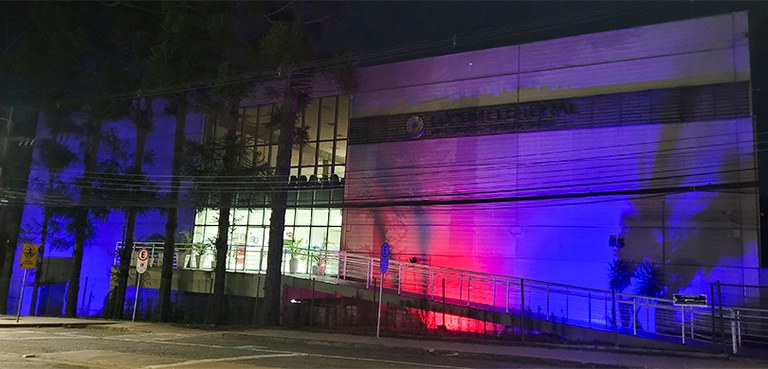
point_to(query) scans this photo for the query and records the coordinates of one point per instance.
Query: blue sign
(384, 262)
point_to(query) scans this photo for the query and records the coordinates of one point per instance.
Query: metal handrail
(582, 306)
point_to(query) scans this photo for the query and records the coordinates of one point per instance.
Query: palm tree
(138, 189)
(172, 62)
(289, 47)
(55, 156)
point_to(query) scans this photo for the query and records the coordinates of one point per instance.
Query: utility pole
(6, 118)
(6, 250)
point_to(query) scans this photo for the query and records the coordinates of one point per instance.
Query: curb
(438, 352)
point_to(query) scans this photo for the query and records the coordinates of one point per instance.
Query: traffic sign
(384, 262)
(142, 261)
(689, 300)
(28, 258)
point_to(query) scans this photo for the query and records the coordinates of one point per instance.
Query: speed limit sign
(142, 261)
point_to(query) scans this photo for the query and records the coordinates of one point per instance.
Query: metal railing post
(522, 309)
(461, 287)
(506, 298)
(345, 265)
(634, 316)
(712, 305)
(399, 278)
(682, 324)
(469, 288)
(733, 332)
(494, 291)
(547, 302)
(368, 268)
(589, 309)
(738, 326)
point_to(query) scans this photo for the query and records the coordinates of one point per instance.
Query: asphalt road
(65, 348)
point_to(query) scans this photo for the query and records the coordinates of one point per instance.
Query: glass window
(237, 235)
(343, 118)
(239, 216)
(326, 155)
(317, 238)
(211, 217)
(200, 217)
(308, 156)
(341, 153)
(290, 217)
(303, 216)
(255, 236)
(311, 119)
(301, 235)
(256, 216)
(273, 156)
(334, 238)
(335, 219)
(210, 234)
(320, 217)
(327, 118)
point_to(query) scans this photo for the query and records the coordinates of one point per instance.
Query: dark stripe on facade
(675, 105)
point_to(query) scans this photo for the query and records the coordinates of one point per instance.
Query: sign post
(27, 261)
(142, 261)
(383, 266)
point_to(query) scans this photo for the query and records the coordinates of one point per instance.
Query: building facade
(542, 160)
(545, 161)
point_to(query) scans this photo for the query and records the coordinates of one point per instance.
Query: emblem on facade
(415, 126)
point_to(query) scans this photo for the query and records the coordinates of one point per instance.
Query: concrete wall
(698, 237)
(692, 52)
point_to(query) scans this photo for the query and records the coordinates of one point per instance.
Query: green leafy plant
(619, 275)
(202, 248)
(293, 245)
(649, 278)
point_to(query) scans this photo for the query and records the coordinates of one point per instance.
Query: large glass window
(317, 172)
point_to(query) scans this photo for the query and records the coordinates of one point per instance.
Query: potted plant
(200, 249)
(294, 250)
(319, 257)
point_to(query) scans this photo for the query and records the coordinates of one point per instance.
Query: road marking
(234, 358)
(36, 338)
(389, 361)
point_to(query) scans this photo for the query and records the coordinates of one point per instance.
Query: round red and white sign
(143, 255)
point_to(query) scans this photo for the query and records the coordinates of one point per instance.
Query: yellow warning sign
(28, 259)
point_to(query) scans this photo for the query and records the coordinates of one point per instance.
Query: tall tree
(100, 74)
(174, 63)
(137, 33)
(234, 31)
(55, 156)
(291, 46)
(36, 70)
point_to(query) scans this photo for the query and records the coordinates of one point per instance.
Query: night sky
(415, 28)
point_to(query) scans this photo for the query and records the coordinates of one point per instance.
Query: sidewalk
(9, 321)
(582, 355)
(590, 356)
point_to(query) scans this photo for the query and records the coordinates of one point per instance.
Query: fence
(649, 317)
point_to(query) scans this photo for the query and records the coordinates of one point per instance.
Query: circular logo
(415, 126)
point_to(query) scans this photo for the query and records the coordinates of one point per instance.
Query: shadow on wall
(685, 233)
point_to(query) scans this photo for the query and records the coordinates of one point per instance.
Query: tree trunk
(9, 237)
(220, 272)
(225, 206)
(172, 220)
(279, 202)
(123, 270)
(40, 258)
(142, 124)
(80, 222)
